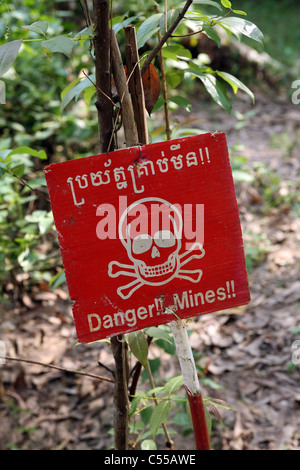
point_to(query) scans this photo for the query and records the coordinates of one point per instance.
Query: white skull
(150, 230)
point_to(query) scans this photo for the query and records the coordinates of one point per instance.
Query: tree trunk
(121, 401)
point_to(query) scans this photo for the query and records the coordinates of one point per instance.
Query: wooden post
(131, 135)
(191, 382)
(135, 84)
(121, 401)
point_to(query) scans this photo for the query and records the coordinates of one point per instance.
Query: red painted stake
(199, 421)
(191, 382)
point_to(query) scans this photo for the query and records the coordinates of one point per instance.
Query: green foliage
(182, 69)
(282, 42)
(196, 18)
(21, 229)
(162, 408)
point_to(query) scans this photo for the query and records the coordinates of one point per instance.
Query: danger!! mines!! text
(187, 300)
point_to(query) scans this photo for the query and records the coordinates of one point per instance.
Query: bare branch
(78, 372)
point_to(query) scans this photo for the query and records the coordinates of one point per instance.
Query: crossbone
(116, 269)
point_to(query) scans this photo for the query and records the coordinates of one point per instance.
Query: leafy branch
(166, 36)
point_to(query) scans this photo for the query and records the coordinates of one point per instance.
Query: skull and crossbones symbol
(154, 254)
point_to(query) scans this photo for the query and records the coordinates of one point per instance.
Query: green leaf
(182, 102)
(85, 33)
(74, 89)
(199, 18)
(212, 34)
(159, 415)
(57, 279)
(148, 444)
(18, 170)
(139, 346)
(61, 44)
(174, 77)
(89, 93)
(158, 333)
(39, 27)
(236, 84)
(29, 151)
(174, 384)
(156, 390)
(211, 383)
(134, 404)
(240, 12)
(8, 54)
(146, 414)
(175, 52)
(226, 3)
(2, 92)
(214, 88)
(245, 27)
(207, 2)
(69, 87)
(117, 26)
(147, 29)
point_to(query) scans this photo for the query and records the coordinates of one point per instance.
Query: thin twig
(106, 368)
(85, 11)
(187, 34)
(63, 369)
(106, 96)
(38, 193)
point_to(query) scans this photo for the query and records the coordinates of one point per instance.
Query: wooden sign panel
(148, 233)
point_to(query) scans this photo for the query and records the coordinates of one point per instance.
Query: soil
(249, 353)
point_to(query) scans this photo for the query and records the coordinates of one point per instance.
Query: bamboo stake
(189, 372)
(131, 135)
(163, 77)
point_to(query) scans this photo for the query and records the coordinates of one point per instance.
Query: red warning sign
(148, 234)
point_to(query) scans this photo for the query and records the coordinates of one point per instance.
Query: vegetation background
(244, 356)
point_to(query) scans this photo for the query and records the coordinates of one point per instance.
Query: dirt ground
(247, 351)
